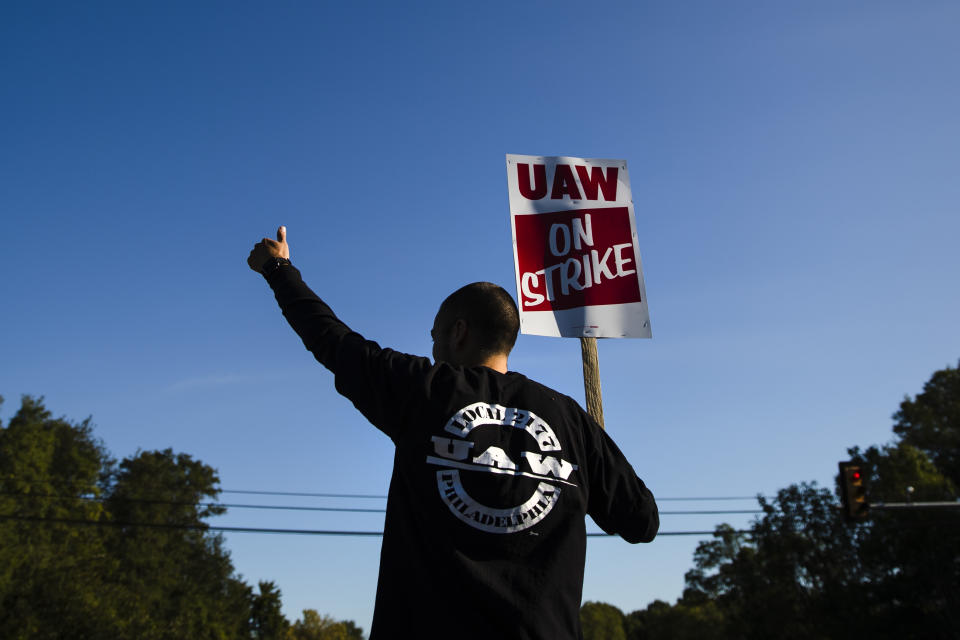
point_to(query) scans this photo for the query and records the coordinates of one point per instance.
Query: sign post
(576, 255)
(591, 379)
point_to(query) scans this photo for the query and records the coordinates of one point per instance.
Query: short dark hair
(489, 311)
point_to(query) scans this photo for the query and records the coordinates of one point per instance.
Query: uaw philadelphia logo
(456, 454)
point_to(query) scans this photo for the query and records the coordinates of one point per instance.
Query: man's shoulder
(556, 399)
(522, 380)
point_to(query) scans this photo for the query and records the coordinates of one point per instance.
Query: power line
(307, 494)
(708, 513)
(307, 508)
(371, 496)
(312, 532)
(708, 498)
(185, 503)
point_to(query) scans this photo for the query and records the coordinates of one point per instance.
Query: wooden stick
(591, 379)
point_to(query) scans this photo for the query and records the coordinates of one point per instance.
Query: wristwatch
(272, 265)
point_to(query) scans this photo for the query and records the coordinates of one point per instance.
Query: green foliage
(686, 620)
(797, 564)
(313, 626)
(803, 572)
(911, 556)
(95, 550)
(50, 571)
(267, 621)
(181, 577)
(931, 422)
(601, 621)
(902, 473)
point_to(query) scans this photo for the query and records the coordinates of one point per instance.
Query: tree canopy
(95, 549)
(931, 422)
(801, 571)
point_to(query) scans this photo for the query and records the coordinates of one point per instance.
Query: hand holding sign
(267, 248)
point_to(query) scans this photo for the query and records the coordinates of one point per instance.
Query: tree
(267, 621)
(353, 631)
(782, 580)
(314, 626)
(51, 473)
(912, 557)
(686, 620)
(601, 621)
(803, 572)
(177, 579)
(90, 549)
(931, 422)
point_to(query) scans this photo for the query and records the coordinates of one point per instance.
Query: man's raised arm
(374, 379)
(310, 317)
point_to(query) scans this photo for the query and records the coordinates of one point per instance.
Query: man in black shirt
(493, 473)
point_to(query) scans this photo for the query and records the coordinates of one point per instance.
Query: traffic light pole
(906, 506)
(853, 496)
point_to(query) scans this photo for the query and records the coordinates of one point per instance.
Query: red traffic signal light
(852, 492)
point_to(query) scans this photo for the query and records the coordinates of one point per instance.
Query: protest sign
(575, 248)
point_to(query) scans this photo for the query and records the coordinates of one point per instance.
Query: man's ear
(459, 332)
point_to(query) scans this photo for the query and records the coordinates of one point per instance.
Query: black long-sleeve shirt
(492, 477)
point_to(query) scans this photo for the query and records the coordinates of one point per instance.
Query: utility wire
(307, 494)
(367, 496)
(305, 508)
(312, 532)
(185, 503)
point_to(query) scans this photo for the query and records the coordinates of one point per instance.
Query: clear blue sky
(794, 171)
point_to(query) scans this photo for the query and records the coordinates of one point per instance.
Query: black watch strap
(272, 265)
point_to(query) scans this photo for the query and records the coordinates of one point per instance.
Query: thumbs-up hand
(267, 248)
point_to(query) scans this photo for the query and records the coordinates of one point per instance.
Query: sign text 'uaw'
(575, 248)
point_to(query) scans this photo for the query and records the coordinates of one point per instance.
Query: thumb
(282, 234)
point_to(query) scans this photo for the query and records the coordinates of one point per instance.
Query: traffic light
(852, 492)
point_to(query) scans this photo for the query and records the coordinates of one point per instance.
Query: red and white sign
(575, 248)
